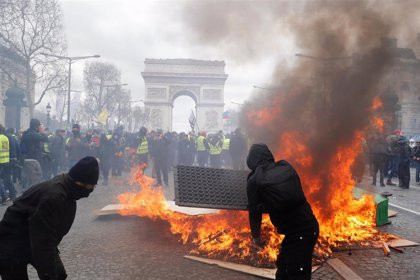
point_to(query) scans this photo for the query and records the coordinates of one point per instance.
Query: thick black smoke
(326, 97)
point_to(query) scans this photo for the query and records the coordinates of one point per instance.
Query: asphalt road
(136, 248)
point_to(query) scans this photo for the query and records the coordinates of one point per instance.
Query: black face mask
(79, 192)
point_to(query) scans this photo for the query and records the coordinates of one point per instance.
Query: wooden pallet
(114, 209)
(392, 213)
(268, 273)
(343, 270)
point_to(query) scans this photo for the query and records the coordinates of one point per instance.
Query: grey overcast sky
(125, 32)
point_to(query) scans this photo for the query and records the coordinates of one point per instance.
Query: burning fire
(226, 234)
(264, 116)
(378, 123)
(376, 104)
(344, 220)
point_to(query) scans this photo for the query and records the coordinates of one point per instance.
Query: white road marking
(405, 209)
(414, 187)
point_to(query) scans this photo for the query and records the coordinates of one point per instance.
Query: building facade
(12, 71)
(403, 79)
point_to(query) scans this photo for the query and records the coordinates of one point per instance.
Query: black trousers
(15, 270)
(202, 158)
(161, 167)
(295, 259)
(105, 167)
(216, 161)
(378, 166)
(404, 173)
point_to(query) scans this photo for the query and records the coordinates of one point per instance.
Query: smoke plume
(324, 101)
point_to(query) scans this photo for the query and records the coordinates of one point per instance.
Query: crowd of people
(31, 156)
(390, 157)
(37, 154)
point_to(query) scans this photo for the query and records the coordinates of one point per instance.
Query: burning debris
(317, 118)
(226, 235)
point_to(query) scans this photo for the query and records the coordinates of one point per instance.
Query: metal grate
(210, 187)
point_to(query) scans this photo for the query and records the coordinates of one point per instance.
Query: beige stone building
(12, 68)
(404, 80)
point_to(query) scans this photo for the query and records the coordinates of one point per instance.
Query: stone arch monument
(167, 79)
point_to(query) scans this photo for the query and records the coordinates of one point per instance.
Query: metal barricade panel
(210, 187)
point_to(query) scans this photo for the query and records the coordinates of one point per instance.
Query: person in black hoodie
(35, 224)
(106, 150)
(416, 158)
(31, 145)
(274, 188)
(160, 151)
(237, 149)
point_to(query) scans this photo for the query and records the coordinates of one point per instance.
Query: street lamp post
(48, 114)
(71, 59)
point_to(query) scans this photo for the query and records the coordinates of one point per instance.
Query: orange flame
(344, 220)
(378, 123)
(226, 234)
(263, 117)
(376, 104)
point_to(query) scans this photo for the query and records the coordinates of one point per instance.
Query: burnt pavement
(115, 247)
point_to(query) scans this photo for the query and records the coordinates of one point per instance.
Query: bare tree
(123, 110)
(103, 89)
(140, 117)
(32, 29)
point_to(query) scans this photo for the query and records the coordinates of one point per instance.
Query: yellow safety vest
(200, 144)
(226, 144)
(143, 147)
(215, 150)
(46, 146)
(109, 136)
(4, 149)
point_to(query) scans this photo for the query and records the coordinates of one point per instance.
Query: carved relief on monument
(156, 118)
(193, 89)
(211, 94)
(156, 93)
(211, 120)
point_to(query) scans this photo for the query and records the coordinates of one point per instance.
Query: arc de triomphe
(167, 79)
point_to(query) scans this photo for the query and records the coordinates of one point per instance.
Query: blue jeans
(6, 176)
(417, 165)
(392, 170)
(3, 196)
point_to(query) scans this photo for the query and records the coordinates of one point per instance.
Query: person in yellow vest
(46, 159)
(4, 161)
(143, 147)
(227, 160)
(202, 149)
(215, 151)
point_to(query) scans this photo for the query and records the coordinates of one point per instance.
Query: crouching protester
(274, 188)
(37, 221)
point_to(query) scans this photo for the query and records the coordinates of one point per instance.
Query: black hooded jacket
(34, 225)
(31, 144)
(274, 187)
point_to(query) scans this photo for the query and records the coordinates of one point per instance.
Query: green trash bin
(381, 205)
